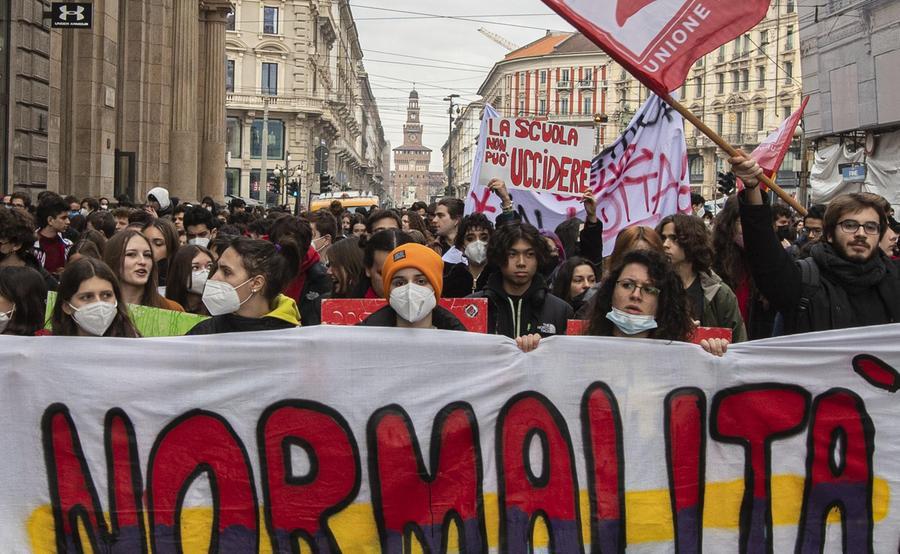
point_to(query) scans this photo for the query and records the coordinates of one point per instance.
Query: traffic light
(726, 182)
(292, 189)
(324, 183)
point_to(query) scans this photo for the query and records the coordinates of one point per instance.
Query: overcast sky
(459, 57)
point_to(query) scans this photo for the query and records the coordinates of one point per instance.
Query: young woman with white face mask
(644, 298)
(244, 294)
(191, 267)
(412, 279)
(467, 278)
(89, 303)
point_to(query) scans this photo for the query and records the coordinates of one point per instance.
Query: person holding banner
(520, 306)
(89, 303)
(643, 298)
(712, 302)
(130, 255)
(412, 278)
(23, 296)
(245, 292)
(846, 282)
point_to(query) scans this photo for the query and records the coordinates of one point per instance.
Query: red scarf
(295, 287)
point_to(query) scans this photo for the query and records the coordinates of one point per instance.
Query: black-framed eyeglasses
(852, 226)
(629, 285)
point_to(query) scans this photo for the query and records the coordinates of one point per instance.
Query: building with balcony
(743, 91)
(136, 101)
(564, 77)
(296, 86)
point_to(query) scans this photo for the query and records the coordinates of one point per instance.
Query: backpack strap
(809, 281)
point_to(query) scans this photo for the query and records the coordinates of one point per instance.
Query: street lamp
(290, 175)
(450, 99)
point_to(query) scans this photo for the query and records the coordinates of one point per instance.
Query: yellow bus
(348, 200)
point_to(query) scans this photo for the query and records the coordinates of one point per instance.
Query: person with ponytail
(89, 303)
(311, 280)
(244, 294)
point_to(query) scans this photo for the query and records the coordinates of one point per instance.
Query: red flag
(771, 152)
(658, 41)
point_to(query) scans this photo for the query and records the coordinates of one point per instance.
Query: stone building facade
(296, 69)
(135, 102)
(743, 91)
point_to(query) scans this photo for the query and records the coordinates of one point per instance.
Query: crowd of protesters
(754, 269)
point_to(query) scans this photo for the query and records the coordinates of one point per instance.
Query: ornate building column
(212, 142)
(183, 136)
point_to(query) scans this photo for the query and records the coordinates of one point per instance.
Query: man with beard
(846, 282)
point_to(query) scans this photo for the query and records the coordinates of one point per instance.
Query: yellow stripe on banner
(649, 518)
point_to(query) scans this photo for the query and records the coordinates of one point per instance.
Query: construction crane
(508, 44)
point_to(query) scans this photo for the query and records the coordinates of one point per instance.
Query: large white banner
(639, 179)
(356, 439)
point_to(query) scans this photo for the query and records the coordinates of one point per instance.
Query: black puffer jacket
(537, 311)
(441, 318)
(317, 284)
(844, 294)
(458, 282)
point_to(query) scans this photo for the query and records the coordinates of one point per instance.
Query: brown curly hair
(693, 237)
(672, 317)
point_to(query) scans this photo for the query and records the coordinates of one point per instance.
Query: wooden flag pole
(731, 151)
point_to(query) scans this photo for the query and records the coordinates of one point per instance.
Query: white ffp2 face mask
(96, 317)
(198, 281)
(412, 302)
(5, 318)
(476, 252)
(221, 298)
(199, 241)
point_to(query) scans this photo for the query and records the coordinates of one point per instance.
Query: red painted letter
(840, 425)
(524, 496)
(299, 506)
(72, 491)
(407, 499)
(198, 443)
(686, 463)
(754, 417)
(601, 427)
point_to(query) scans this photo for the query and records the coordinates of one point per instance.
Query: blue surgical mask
(631, 324)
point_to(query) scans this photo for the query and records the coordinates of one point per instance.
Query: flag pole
(731, 151)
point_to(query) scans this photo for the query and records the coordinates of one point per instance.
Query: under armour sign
(71, 14)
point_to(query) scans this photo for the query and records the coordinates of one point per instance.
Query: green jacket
(720, 306)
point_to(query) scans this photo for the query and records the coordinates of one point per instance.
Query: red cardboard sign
(472, 312)
(579, 327)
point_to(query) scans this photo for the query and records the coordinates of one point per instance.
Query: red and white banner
(771, 152)
(538, 155)
(658, 40)
(643, 176)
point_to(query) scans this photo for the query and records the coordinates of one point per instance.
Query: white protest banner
(643, 176)
(537, 155)
(639, 179)
(355, 438)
